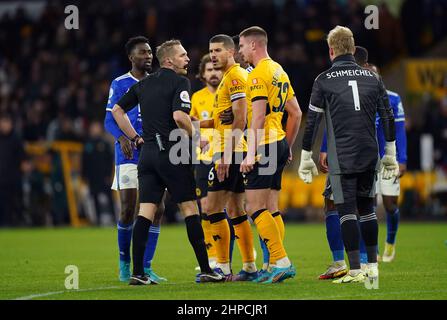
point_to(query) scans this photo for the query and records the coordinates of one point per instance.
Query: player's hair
(373, 68)
(205, 59)
(225, 39)
(256, 32)
(341, 40)
(165, 50)
(132, 42)
(361, 56)
(236, 40)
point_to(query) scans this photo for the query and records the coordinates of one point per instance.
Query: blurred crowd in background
(54, 82)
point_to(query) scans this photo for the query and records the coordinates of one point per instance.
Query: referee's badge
(184, 96)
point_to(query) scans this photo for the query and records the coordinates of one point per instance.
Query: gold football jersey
(269, 81)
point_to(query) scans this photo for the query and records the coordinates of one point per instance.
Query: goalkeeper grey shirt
(349, 97)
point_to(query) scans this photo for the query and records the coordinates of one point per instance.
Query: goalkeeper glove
(307, 167)
(390, 167)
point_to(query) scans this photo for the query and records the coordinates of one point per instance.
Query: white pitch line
(373, 293)
(40, 295)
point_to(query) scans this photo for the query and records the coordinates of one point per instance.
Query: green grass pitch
(33, 261)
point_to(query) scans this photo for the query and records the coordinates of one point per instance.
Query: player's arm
(307, 166)
(110, 124)
(126, 103)
(207, 123)
(293, 122)
(401, 138)
(389, 162)
(239, 108)
(322, 161)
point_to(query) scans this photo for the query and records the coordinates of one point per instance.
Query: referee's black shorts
(201, 173)
(268, 174)
(156, 172)
(345, 188)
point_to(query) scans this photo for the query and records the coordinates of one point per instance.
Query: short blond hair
(341, 40)
(165, 50)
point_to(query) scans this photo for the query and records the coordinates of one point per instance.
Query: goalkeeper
(349, 97)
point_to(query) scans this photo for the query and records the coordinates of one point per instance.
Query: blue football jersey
(118, 88)
(399, 120)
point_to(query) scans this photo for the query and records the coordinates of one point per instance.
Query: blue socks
(363, 254)
(124, 239)
(334, 237)
(265, 252)
(154, 232)
(392, 224)
(232, 237)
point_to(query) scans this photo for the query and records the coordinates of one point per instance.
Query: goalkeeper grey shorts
(344, 188)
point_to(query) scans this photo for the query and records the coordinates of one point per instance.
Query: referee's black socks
(139, 240)
(197, 240)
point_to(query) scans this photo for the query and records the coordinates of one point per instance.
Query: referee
(164, 101)
(350, 96)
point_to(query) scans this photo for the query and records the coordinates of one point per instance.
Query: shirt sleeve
(115, 93)
(181, 100)
(314, 116)
(401, 135)
(109, 122)
(258, 88)
(291, 92)
(130, 99)
(194, 112)
(237, 86)
(385, 113)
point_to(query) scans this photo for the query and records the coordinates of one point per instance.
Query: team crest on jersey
(184, 96)
(205, 115)
(234, 82)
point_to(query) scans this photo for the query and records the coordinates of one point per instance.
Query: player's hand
(204, 145)
(227, 116)
(322, 161)
(307, 168)
(138, 143)
(248, 164)
(389, 165)
(194, 118)
(402, 169)
(126, 146)
(290, 158)
(222, 170)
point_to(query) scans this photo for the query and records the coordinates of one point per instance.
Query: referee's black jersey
(349, 96)
(158, 95)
